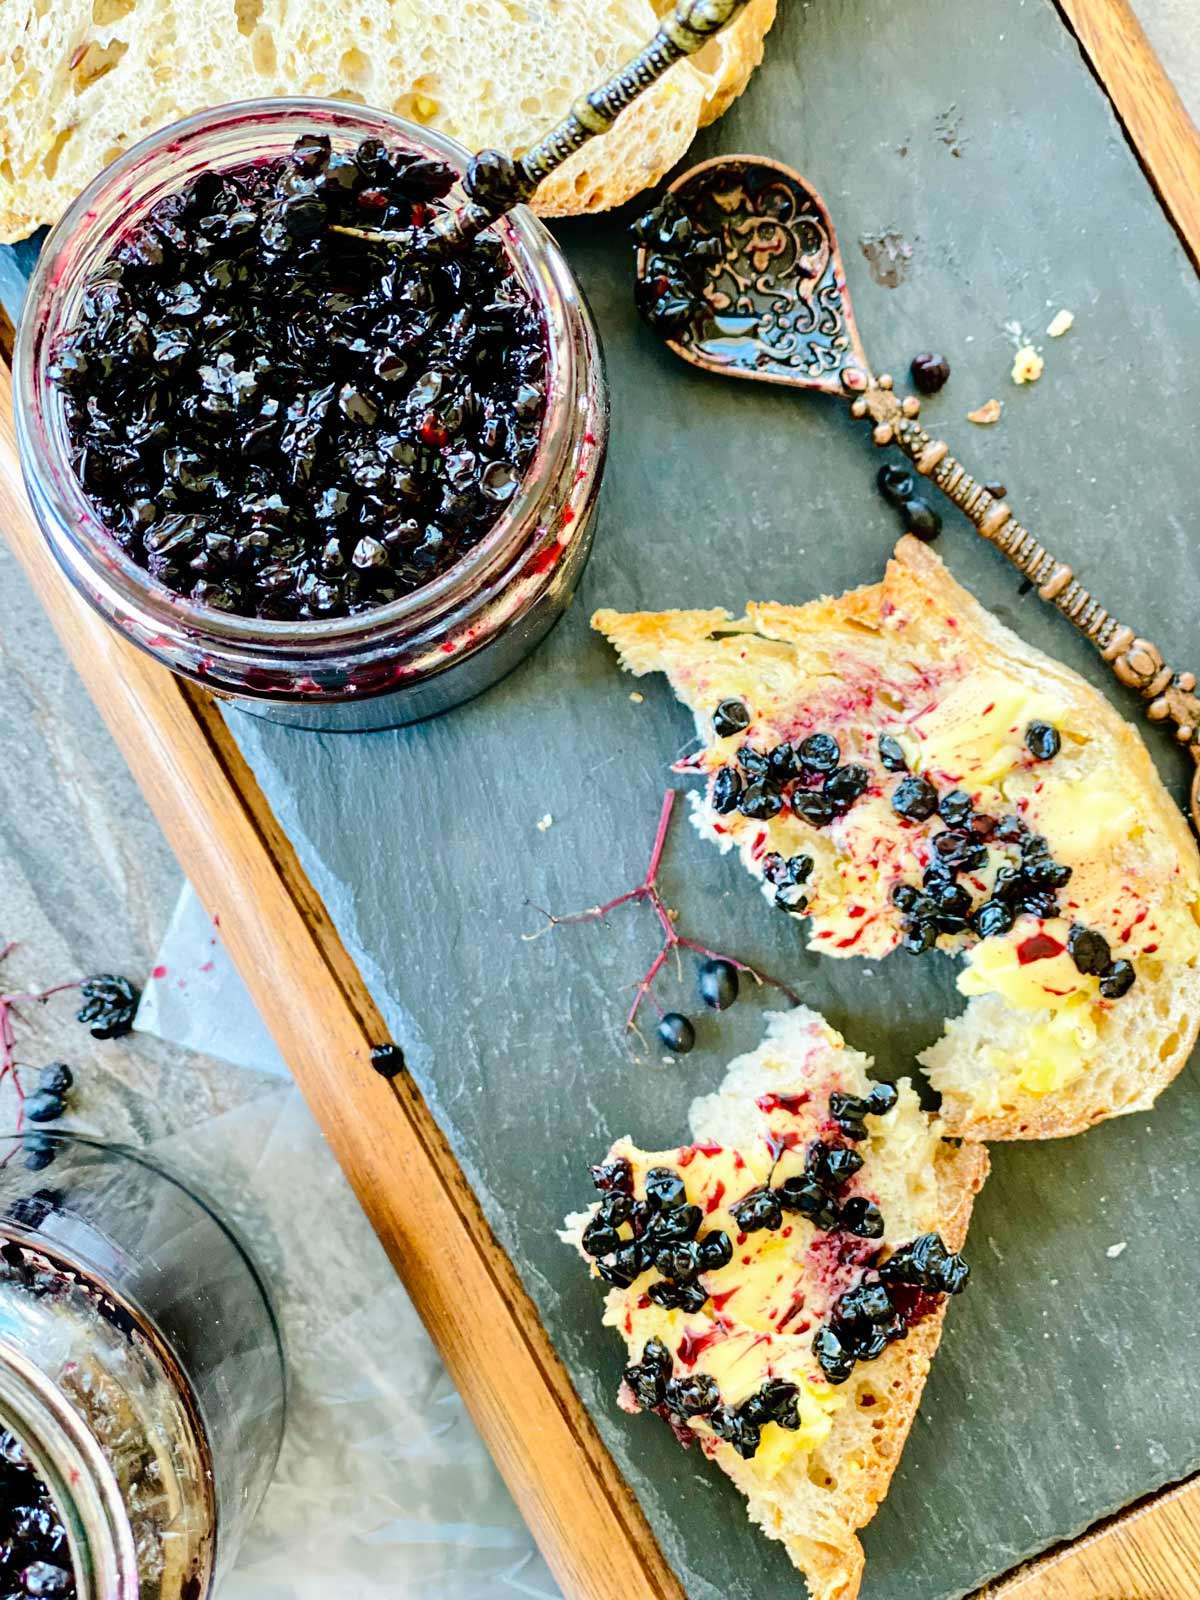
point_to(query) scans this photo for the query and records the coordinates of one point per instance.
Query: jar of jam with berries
(141, 1378)
(290, 442)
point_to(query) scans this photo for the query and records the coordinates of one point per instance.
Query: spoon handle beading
(1136, 661)
(494, 182)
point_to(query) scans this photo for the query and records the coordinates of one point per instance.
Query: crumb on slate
(638, 699)
(1061, 321)
(1027, 365)
(1114, 1250)
(987, 413)
(546, 822)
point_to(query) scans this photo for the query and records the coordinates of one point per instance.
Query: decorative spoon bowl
(739, 271)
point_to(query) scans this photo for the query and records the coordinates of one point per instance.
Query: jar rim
(79, 242)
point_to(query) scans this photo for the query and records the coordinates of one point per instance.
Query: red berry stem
(673, 940)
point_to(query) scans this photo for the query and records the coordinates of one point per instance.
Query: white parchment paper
(384, 1489)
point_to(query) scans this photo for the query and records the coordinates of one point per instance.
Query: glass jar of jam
(427, 645)
(141, 1378)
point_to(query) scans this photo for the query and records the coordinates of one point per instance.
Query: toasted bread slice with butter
(813, 1484)
(82, 80)
(1046, 765)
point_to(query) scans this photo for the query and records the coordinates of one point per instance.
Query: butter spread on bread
(1064, 831)
(745, 1350)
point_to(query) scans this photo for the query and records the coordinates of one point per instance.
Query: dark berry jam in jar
(347, 482)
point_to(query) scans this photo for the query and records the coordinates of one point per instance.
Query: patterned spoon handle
(494, 182)
(1136, 661)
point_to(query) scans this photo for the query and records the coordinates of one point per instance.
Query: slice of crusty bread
(81, 80)
(1038, 1053)
(812, 1489)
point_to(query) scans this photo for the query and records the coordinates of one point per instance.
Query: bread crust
(1153, 1033)
(834, 1566)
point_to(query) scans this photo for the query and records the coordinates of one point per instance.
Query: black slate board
(1062, 1390)
(977, 132)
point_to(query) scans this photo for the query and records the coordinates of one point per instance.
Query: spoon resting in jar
(494, 183)
(739, 272)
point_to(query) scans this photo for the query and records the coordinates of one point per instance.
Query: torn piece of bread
(82, 80)
(964, 792)
(813, 1482)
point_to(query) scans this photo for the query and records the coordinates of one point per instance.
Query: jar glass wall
(141, 1368)
(409, 658)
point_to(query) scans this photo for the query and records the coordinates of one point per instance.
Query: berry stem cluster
(673, 941)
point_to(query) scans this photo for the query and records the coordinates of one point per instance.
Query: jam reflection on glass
(34, 1558)
(281, 421)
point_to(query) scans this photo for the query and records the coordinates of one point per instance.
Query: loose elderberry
(677, 1033)
(820, 752)
(57, 1078)
(929, 372)
(758, 1210)
(914, 799)
(110, 1004)
(891, 753)
(1089, 950)
(1118, 980)
(718, 983)
(731, 716)
(1042, 740)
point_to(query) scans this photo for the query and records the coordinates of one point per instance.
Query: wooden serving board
(380, 882)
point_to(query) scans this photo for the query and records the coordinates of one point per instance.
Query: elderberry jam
(34, 1555)
(346, 482)
(285, 421)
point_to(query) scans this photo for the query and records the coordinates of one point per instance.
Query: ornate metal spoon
(494, 182)
(739, 271)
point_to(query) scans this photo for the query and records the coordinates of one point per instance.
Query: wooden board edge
(1149, 1551)
(1160, 132)
(581, 1511)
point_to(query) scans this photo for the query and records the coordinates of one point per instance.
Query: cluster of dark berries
(717, 984)
(663, 1236)
(742, 1426)
(788, 878)
(109, 1006)
(654, 1389)
(48, 1104)
(899, 488)
(697, 1395)
(670, 291)
(35, 1558)
(1029, 884)
(850, 1111)
(807, 777)
(648, 1377)
(898, 484)
(1090, 952)
(886, 1303)
(943, 905)
(828, 1167)
(281, 421)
